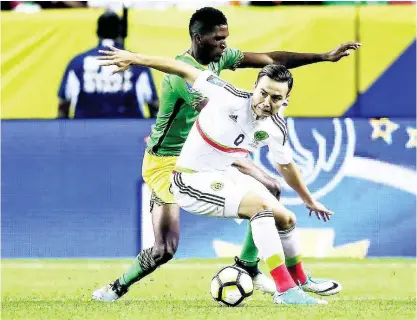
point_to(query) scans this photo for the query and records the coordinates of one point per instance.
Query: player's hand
(341, 51)
(122, 59)
(320, 210)
(274, 187)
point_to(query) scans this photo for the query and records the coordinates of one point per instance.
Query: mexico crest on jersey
(217, 185)
(260, 135)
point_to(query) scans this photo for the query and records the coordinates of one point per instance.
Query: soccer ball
(230, 286)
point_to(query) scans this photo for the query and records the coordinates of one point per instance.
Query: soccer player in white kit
(230, 126)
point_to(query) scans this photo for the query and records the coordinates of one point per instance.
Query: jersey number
(239, 139)
(103, 81)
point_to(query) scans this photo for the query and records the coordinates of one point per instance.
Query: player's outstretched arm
(294, 59)
(123, 59)
(293, 178)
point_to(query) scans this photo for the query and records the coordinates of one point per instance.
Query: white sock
(292, 248)
(290, 240)
(266, 238)
(265, 235)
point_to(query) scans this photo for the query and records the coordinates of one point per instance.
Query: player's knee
(287, 221)
(291, 220)
(262, 205)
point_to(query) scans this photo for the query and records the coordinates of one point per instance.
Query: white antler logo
(320, 153)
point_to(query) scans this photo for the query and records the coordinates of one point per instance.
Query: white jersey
(227, 129)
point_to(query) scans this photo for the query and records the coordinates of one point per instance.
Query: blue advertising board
(74, 189)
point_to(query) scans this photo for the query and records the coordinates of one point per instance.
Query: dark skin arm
(294, 59)
(153, 108)
(63, 109)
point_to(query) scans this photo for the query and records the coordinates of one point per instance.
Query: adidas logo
(233, 117)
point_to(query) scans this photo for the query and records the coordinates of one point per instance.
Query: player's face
(214, 43)
(269, 95)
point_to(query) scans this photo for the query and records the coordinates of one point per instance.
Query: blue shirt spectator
(94, 92)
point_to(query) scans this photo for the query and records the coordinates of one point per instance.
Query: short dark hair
(278, 73)
(109, 25)
(205, 19)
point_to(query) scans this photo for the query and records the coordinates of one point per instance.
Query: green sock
(249, 251)
(143, 265)
(292, 261)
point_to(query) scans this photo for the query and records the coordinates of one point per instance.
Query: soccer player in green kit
(179, 109)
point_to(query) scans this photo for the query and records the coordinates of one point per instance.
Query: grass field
(60, 289)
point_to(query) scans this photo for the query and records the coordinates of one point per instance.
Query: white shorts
(215, 193)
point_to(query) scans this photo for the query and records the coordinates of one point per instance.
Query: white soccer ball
(230, 286)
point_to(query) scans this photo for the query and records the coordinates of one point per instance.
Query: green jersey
(177, 110)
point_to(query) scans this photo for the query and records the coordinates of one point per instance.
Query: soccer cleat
(110, 292)
(295, 296)
(260, 281)
(322, 287)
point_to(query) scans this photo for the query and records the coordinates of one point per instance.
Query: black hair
(109, 25)
(204, 20)
(278, 73)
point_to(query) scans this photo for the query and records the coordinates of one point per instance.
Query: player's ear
(197, 39)
(287, 100)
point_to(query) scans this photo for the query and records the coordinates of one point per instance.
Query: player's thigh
(166, 223)
(207, 193)
(260, 199)
(249, 184)
(156, 172)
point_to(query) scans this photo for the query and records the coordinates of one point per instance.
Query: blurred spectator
(290, 3)
(94, 92)
(61, 4)
(344, 3)
(24, 5)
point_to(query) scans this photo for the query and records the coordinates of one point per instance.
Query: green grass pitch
(61, 289)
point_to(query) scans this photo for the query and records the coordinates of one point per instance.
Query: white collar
(107, 42)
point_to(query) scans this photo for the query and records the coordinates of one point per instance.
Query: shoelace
(113, 288)
(315, 280)
(303, 293)
(118, 290)
(110, 287)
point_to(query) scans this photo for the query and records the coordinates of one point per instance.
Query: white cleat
(322, 287)
(260, 281)
(108, 293)
(263, 283)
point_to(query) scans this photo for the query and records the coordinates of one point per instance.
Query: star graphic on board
(383, 128)
(412, 138)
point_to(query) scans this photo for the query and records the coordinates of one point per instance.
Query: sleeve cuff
(202, 78)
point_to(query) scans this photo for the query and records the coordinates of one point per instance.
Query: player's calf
(163, 252)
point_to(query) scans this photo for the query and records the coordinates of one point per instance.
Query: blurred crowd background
(40, 49)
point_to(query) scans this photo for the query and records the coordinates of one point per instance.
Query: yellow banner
(36, 49)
